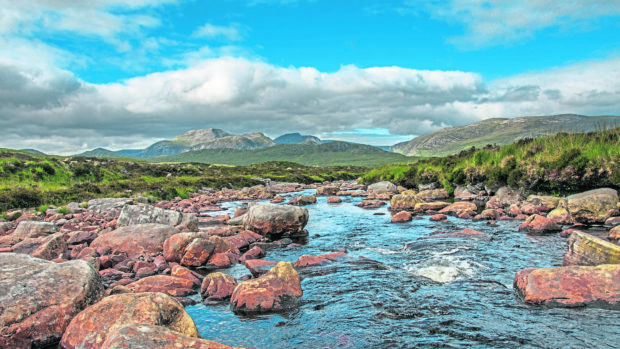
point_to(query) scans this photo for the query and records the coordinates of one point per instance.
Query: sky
(81, 74)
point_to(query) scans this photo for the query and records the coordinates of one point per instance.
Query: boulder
(614, 234)
(175, 246)
(108, 204)
(310, 261)
(438, 217)
(328, 190)
(170, 285)
(383, 188)
(585, 249)
(92, 327)
(593, 206)
(53, 247)
(541, 200)
(184, 273)
(135, 240)
(276, 220)
(432, 195)
(560, 216)
(334, 200)
(431, 206)
(612, 221)
(537, 225)
(28, 229)
(402, 217)
(465, 233)
(197, 252)
(217, 286)
(278, 290)
(39, 298)
(142, 214)
(504, 197)
(404, 202)
(253, 253)
(458, 207)
(142, 336)
(573, 286)
(258, 267)
(368, 204)
(303, 200)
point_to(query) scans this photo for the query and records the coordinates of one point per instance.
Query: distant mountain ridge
(297, 138)
(500, 131)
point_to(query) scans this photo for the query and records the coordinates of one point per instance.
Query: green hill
(328, 154)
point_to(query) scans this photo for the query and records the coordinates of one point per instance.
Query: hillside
(329, 154)
(297, 138)
(452, 140)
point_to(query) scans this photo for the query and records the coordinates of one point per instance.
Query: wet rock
(438, 217)
(278, 290)
(253, 253)
(141, 336)
(276, 220)
(175, 246)
(328, 190)
(593, 206)
(136, 240)
(170, 285)
(612, 221)
(432, 195)
(370, 204)
(197, 252)
(404, 202)
(566, 233)
(258, 267)
(585, 249)
(560, 216)
(465, 233)
(303, 200)
(334, 200)
(142, 214)
(39, 298)
(187, 274)
(402, 217)
(538, 225)
(92, 327)
(311, 261)
(277, 199)
(217, 286)
(458, 207)
(244, 239)
(571, 286)
(222, 260)
(431, 206)
(383, 188)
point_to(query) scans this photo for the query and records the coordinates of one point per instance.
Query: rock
(39, 298)
(404, 202)
(463, 193)
(142, 214)
(175, 246)
(108, 204)
(310, 261)
(585, 249)
(277, 199)
(566, 233)
(537, 225)
(303, 200)
(431, 206)
(541, 200)
(369, 204)
(383, 188)
(278, 290)
(612, 221)
(328, 190)
(560, 216)
(92, 327)
(141, 336)
(135, 240)
(254, 253)
(504, 197)
(28, 229)
(80, 237)
(574, 286)
(465, 233)
(197, 252)
(593, 206)
(217, 286)
(276, 220)
(222, 260)
(53, 247)
(432, 195)
(170, 285)
(438, 217)
(614, 234)
(187, 274)
(460, 206)
(334, 200)
(258, 267)
(402, 217)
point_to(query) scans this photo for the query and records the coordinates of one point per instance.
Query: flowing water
(401, 289)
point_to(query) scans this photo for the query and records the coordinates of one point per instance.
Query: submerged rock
(311, 261)
(593, 206)
(573, 286)
(585, 249)
(39, 298)
(278, 290)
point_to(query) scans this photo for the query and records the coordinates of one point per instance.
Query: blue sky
(125, 73)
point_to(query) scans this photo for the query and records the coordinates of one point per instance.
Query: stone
(574, 286)
(175, 246)
(612, 221)
(460, 206)
(28, 229)
(108, 204)
(465, 233)
(585, 249)
(504, 197)
(402, 217)
(184, 273)
(404, 202)
(438, 217)
(328, 190)
(383, 188)
(537, 225)
(39, 298)
(217, 286)
(92, 327)
(170, 285)
(53, 247)
(334, 200)
(136, 240)
(431, 206)
(253, 253)
(278, 290)
(142, 214)
(258, 267)
(593, 206)
(560, 216)
(369, 204)
(221, 260)
(197, 252)
(303, 200)
(80, 237)
(432, 195)
(614, 234)
(276, 220)
(311, 261)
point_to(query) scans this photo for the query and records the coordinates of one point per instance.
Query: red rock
(160, 263)
(92, 327)
(28, 229)
(521, 217)
(220, 260)
(185, 273)
(460, 206)
(174, 246)
(369, 204)
(334, 200)
(303, 200)
(213, 220)
(258, 267)
(438, 217)
(143, 272)
(136, 240)
(566, 233)
(571, 286)
(39, 298)
(53, 247)
(612, 221)
(254, 253)
(111, 274)
(402, 217)
(217, 286)
(80, 237)
(465, 214)
(279, 289)
(311, 261)
(468, 232)
(327, 190)
(614, 234)
(171, 285)
(537, 225)
(432, 195)
(88, 252)
(198, 252)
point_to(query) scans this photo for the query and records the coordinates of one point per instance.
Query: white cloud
(231, 32)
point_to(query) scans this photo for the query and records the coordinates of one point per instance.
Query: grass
(561, 163)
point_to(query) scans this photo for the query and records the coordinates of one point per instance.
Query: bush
(63, 210)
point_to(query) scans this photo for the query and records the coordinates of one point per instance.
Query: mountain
(297, 138)
(333, 153)
(105, 153)
(33, 151)
(500, 131)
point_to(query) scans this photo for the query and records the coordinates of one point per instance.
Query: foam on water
(443, 269)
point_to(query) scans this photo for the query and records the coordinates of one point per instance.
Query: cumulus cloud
(53, 111)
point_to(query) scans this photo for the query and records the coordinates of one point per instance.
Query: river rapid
(398, 288)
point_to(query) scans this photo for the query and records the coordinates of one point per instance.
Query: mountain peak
(297, 138)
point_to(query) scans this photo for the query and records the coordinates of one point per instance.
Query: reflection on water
(410, 291)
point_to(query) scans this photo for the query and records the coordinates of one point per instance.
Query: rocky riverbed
(325, 265)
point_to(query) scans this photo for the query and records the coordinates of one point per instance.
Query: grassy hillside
(562, 163)
(329, 154)
(452, 140)
(31, 180)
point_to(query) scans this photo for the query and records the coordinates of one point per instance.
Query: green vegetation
(33, 180)
(562, 163)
